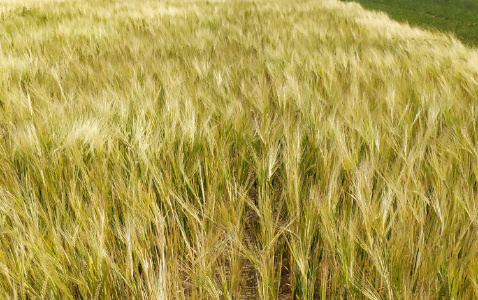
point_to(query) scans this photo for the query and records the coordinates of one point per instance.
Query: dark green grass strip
(459, 17)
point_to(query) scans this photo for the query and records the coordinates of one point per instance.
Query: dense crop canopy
(234, 149)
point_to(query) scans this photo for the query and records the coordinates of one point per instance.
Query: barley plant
(267, 149)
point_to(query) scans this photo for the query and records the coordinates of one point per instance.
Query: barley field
(266, 149)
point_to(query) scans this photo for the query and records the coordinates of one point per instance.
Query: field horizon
(234, 150)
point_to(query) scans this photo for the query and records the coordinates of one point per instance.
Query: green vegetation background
(459, 17)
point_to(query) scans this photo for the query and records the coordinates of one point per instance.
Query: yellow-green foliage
(229, 149)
